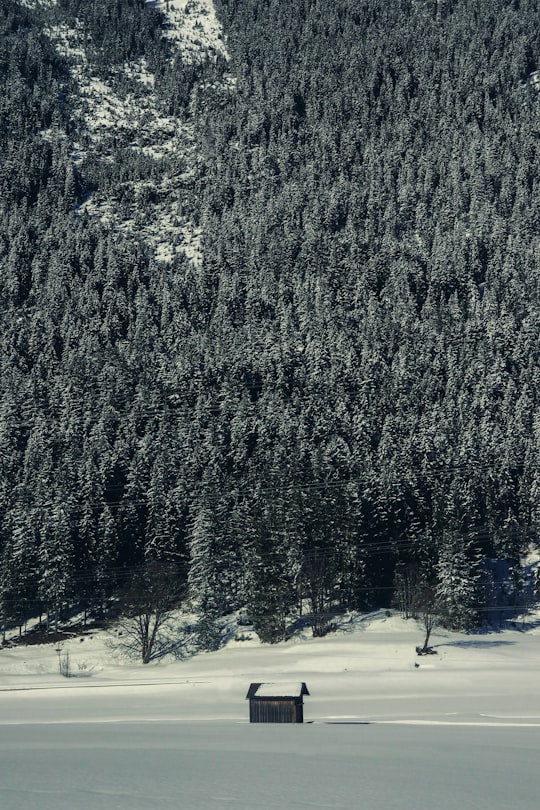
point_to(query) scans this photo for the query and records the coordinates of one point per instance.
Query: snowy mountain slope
(126, 113)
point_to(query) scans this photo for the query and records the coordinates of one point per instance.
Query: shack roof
(287, 689)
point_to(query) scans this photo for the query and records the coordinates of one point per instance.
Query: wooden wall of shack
(280, 710)
(276, 708)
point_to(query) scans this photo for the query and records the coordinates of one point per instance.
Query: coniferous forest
(339, 407)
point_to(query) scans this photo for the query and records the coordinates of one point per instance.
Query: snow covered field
(461, 730)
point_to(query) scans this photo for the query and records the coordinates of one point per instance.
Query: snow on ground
(384, 728)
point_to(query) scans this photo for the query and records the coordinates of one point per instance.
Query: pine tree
(457, 590)
(55, 561)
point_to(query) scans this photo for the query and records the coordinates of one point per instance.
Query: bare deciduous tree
(427, 610)
(153, 593)
(407, 584)
(318, 579)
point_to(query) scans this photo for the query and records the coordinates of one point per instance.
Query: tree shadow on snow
(476, 643)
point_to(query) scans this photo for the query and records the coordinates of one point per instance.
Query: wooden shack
(276, 702)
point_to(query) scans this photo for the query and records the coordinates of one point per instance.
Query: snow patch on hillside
(193, 25)
(38, 3)
(132, 117)
(69, 42)
(138, 70)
